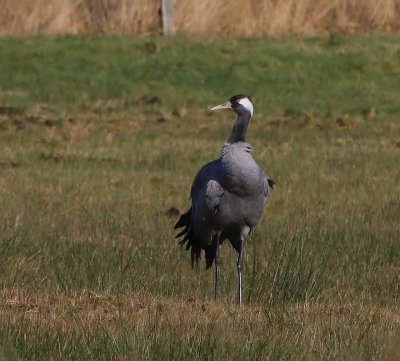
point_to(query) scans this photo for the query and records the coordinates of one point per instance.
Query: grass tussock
(253, 17)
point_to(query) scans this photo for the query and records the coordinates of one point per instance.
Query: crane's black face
(239, 103)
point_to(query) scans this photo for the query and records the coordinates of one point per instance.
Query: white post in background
(168, 16)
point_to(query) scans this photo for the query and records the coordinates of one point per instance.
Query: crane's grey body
(228, 197)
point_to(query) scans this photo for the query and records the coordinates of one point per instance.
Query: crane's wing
(206, 194)
(199, 230)
(214, 192)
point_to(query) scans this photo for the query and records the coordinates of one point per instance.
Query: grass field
(100, 140)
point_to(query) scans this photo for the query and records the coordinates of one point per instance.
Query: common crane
(228, 197)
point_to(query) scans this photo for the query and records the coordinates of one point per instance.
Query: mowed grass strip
(101, 138)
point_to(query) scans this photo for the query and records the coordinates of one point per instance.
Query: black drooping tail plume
(189, 237)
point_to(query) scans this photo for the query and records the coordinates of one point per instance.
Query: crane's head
(239, 103)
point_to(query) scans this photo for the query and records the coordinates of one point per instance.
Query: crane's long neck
(240, 128)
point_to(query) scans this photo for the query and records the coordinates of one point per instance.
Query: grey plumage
(228, 197)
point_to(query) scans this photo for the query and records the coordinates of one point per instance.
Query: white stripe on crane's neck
(246, 103)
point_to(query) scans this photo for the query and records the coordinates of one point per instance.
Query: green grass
(101, 136)
(336, 74)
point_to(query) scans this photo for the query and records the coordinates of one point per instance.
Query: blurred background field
(207, 17)
(100, 139)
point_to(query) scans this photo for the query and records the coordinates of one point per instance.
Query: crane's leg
(239, 268)
(217, 274)
(245, 232)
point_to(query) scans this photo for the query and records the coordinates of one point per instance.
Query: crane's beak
(226, 105)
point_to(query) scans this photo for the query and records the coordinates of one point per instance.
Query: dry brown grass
(208, 17)
(59, 310)
(256, 17)
(79, 16)
(305, 326)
